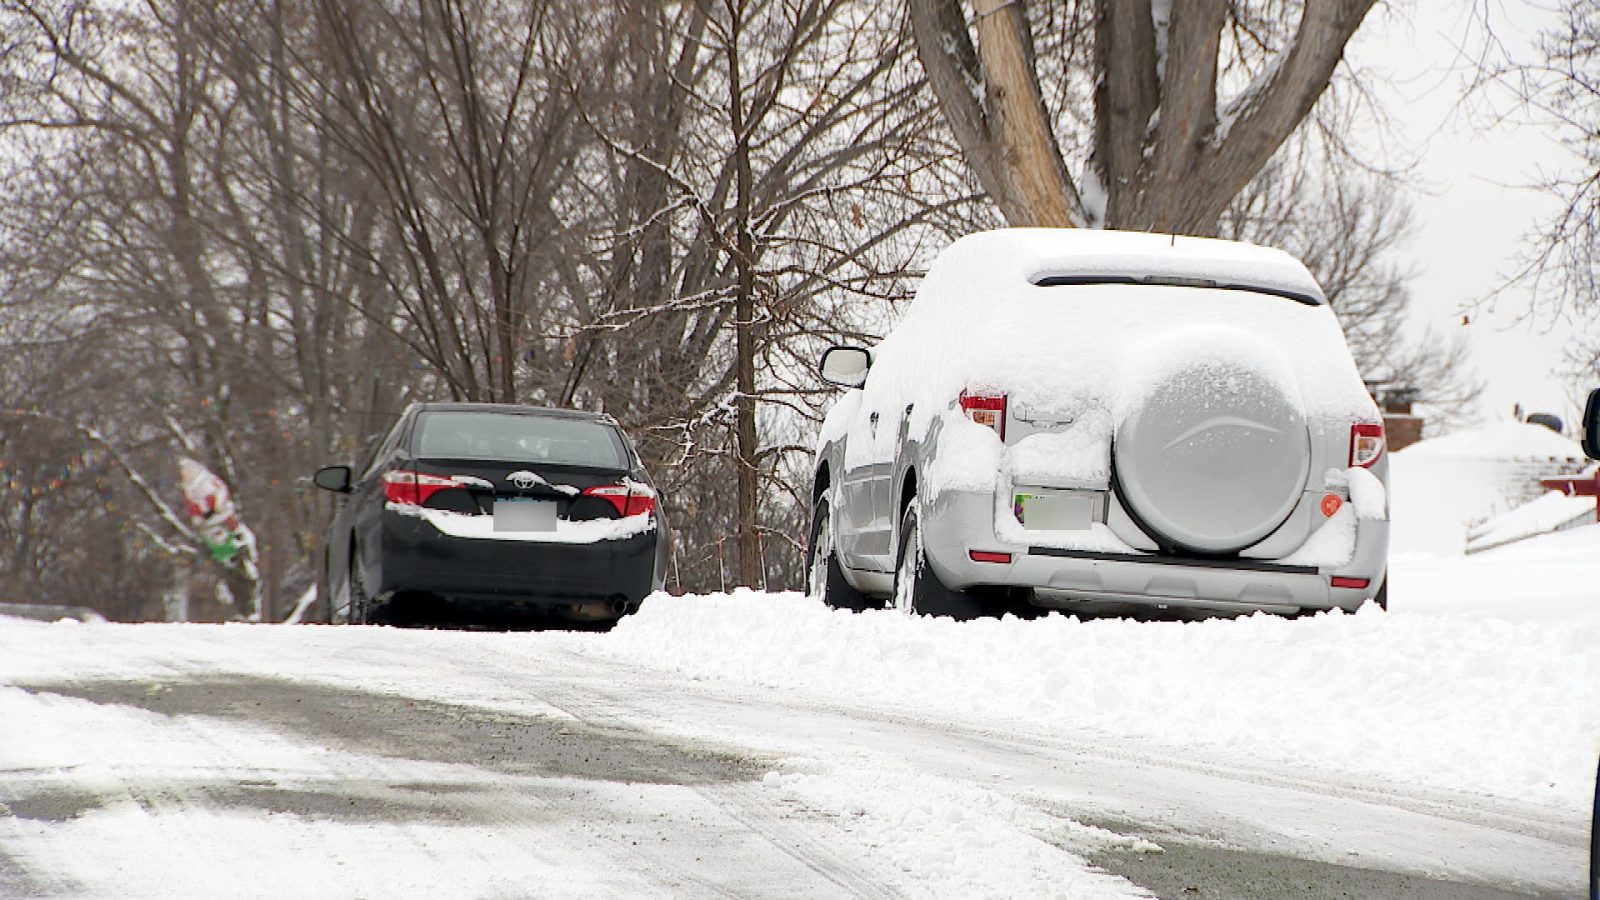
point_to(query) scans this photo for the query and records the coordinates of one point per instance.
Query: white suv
(1066, 418)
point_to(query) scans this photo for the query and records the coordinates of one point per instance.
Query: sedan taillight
(630, 499)
(1366, 443)
(988, 410)
(414, 488)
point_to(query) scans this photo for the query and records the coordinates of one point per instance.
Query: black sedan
(489, 512)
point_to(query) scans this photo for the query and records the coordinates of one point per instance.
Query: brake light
(1340, 581)
(988, 556)
(1366, 443)
(414, 488)
(630, 499)
(988, 410)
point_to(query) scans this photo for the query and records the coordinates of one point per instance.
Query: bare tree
(770, 166)
(1347, 223)
(170, 202)
(1558, 85)
(62, 497)
(1184, 118)
(275, 221)
(124, 238)
(1190, 101)
(449, 106)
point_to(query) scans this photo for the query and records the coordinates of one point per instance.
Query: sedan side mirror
(845, 367)
(1591, 425)
(333, 478)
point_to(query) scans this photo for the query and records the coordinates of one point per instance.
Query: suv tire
(917, 590)
(824, 578)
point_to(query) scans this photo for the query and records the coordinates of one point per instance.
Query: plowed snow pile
(1485, 677)
(1441, 485)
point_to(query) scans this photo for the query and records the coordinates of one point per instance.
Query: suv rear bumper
(961, 521)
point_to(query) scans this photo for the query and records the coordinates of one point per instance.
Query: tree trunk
(1166, 156)
(744, 321)
(1005, 135)
(1021, 123)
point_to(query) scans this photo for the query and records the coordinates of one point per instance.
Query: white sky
(1470, 209)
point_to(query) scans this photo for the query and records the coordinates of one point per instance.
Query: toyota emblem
(524, 479)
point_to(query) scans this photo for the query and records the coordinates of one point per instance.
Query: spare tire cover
(1213, 457)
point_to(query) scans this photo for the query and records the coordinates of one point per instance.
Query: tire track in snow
(751, 805)
(1165, 794)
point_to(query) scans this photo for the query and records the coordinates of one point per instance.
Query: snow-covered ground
(1485, 675)
(1483, 679)
(1442, 486)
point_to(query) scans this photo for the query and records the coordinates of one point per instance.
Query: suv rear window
(517, 438)
(1175, 281)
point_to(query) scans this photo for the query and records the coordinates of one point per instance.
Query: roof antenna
(1174, 237)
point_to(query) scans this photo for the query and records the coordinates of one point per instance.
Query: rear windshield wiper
(1176, 281)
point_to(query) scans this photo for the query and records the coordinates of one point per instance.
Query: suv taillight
(988, 410)
(629, 499)
(414, 488)
(1366, 443)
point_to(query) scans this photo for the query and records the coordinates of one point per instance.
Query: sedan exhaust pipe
(613, 607)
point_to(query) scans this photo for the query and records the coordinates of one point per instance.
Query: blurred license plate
(513, 514)
(1056, 512)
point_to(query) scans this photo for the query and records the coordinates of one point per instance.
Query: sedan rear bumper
(962, 521)
(415, 556)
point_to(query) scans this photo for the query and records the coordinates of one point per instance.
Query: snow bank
(1486, 678)
(1508, 440)
(1552, 580)
(1551, 511)
(1441, 486)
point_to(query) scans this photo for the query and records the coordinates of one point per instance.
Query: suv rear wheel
(917, 590)
(824, 579)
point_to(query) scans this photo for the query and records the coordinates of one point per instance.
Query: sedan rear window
(519, 438)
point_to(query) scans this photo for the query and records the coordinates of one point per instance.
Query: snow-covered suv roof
(982, 323)
(1057, 255)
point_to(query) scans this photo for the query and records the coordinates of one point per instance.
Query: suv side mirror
(845, 367)
(333, 478)
(1591, 425)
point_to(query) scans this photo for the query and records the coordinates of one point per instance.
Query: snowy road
(415, 796)
(308, 761)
